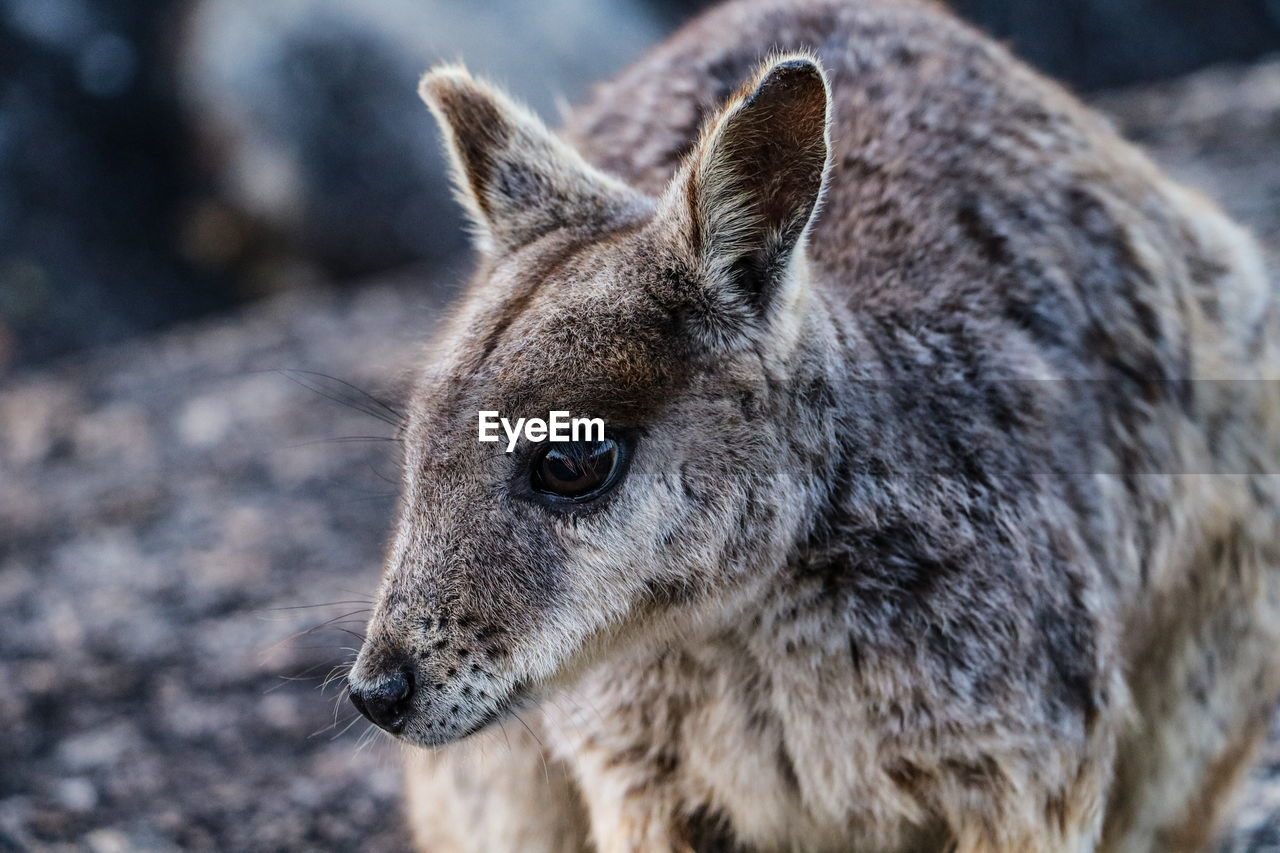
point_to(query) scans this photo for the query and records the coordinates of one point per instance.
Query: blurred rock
(1090, 44)
(310, 110)
(93, 178)
(164, 507)
(186, 538)
(113, 224)
(1214, 129)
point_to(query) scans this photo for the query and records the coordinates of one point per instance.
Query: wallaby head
(670, 318)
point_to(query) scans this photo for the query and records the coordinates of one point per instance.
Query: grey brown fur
(953, 522)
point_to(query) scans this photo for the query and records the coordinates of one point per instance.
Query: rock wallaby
(937, 504)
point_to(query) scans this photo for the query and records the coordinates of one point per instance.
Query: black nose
(386, 704)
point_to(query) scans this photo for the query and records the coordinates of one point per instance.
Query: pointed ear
(516, 179)
(753, 183)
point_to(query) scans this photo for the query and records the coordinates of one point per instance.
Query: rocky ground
(176, 513)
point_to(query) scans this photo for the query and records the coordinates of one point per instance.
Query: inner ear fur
(516, 179)
(753, 183)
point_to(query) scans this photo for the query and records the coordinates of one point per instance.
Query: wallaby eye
(577, 470)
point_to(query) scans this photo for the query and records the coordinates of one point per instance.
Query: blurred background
(162, 160)
(224, 232)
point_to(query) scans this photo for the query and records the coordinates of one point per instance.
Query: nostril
(385, 704)
(401, 688)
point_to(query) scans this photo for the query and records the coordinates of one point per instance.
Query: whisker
(363, 402)
(338, 703)
(338, 672)
(505, 737)
(325, 604)
(300, 634)
(331, 726)
(344, 439)
(368, 738)
(347, 727)
(384, 477)
(302, 676)
(542, 748)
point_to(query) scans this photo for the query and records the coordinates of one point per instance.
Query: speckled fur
(945, 531)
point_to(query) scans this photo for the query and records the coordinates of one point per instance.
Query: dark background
(138, 175)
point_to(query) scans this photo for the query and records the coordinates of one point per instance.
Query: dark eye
(577, 470)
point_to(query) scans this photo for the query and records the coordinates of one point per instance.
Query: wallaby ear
(515, 177)
(753, 182)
